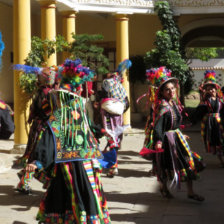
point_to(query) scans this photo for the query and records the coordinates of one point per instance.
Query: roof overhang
(107, 6)
(212, 64)
(196, 6)
(133, 6)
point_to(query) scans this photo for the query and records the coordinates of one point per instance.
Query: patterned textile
(182, 169)
(115, 89)
(186, 146)
(26, 177)
(72, 135)
(76, 214)
(204, 130)
(177, 162)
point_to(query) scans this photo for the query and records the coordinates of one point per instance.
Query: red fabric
(145, 151)
(89, 88)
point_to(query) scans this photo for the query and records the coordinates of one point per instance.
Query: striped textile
(204, 120)
(186, 146)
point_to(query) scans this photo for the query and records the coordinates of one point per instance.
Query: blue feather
(27, 68)
(126, 64)
(2, 47)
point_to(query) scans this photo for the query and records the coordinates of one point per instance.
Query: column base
(128, 130)
(18, 149)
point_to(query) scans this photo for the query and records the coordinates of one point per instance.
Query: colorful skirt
(177, 162)
(75, 195)
(212, 132)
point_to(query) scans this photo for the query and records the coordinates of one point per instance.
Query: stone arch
(204, 33)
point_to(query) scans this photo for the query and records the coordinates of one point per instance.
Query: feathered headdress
(210, 79)
(125, 64)
(74, 73)
(158, 76)
(2, 47)
(45, 76)
(27, 69)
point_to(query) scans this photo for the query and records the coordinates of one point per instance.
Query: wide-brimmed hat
(157, 77)
(210, 79)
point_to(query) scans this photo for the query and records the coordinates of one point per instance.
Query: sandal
(196, 197)
(24, 191)
(112, 172)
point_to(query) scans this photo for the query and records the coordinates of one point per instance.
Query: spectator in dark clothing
(6, 122)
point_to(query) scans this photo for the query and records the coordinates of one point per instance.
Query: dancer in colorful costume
(171, 154)
(69, 151)
(211, 109)
(39, 114)
(114, 103)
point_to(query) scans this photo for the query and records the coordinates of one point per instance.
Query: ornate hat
(74, 73)
(159, 76)
(210, 79)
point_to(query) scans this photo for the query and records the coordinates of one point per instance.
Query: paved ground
(133, 196)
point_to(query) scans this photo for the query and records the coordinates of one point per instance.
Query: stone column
(21, 48)
(48, 25)
(69, 26)
(122, 52)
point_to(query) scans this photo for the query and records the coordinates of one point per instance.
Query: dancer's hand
(31, 167)
(158, 145)
(186, 137)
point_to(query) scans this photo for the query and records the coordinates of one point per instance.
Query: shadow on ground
(9, 196)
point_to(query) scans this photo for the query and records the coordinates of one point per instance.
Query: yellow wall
(142, 33)
(97, 24)
(35, 24)
(6, 74)
(142, 29)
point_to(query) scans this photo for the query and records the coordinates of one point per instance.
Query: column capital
(69, 14)
(121, 17)
(47, 3)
